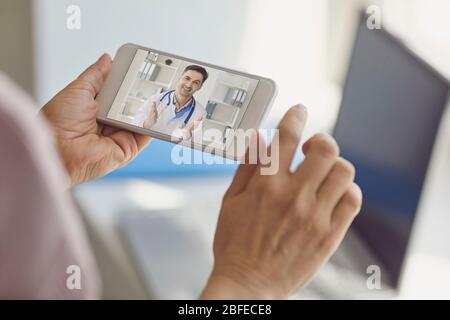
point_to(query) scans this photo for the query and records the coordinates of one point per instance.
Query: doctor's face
(190, 82)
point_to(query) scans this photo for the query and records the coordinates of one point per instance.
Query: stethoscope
(190, 106)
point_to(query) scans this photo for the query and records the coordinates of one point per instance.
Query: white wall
(287, 41)
(424, 26)
(200, 29)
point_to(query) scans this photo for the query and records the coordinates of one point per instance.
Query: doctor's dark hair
(199, 69)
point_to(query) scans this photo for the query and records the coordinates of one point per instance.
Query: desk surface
(106, 201)
(114, 207)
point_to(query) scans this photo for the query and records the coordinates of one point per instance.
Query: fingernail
(103, 58)
(301, 107)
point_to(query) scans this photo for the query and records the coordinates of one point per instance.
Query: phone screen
(183, 100)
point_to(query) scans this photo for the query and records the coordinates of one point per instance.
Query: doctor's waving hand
(170, 111)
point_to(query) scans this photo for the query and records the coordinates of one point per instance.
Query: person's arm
(89, 150)
(44, 251)
(275, 231)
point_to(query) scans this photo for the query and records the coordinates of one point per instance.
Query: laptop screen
(391, 108)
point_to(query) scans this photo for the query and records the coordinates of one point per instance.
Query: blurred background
(304, 45)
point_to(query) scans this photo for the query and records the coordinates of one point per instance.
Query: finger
(189, 126)
(197, 122)
(193, 124)
(129, 145)
(288, 136)
(95, 75)
(109, 130)
(142, 141)
(247, 169)
(321, 152)
(336, 184)
(347, 208)
(155, 110)
(100, 127)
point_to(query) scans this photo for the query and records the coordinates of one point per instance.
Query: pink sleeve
(41, 234)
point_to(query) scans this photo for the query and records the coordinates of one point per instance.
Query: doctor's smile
(187, 90)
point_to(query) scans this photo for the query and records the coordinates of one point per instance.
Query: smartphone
(184, 101)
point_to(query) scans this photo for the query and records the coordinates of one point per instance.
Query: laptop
(390, 113)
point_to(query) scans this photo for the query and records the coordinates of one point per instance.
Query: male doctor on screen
(176, 109)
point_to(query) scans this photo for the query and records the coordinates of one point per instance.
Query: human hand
(190, 127)
(152, 117)
(275, 231)
(89, 150)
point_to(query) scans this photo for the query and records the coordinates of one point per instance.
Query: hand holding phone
(181, 100)
(88, 149)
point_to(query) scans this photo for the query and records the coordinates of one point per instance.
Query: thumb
(96, 74)
(197, 122)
